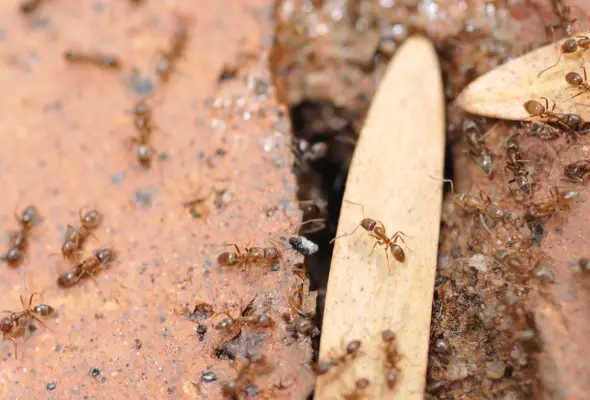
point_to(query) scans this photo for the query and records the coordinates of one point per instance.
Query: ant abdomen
(398, 253)
(228, 259)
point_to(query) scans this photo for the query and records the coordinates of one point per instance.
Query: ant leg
(15, 345)
(41, 322)
(387, 255)
(398, 235)
(373, 249)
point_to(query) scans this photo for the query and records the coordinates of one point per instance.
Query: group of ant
(490, 213)
(164, 68)
(571, 123)
(71, 249)
(352, 351)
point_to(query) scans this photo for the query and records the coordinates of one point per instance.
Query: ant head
(368, 224)
(90, 219)
(6, 324)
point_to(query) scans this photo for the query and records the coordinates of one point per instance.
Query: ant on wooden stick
(569, 122)
(377, 230)
(568, 47)
(575, 80)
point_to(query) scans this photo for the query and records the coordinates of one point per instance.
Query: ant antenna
(452, 185)
(354, 230)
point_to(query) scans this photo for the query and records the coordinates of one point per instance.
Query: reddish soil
(64, 147)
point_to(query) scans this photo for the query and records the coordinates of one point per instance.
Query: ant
(87, 267)
(10, 324)
(577, 172)
(391, 358)
(359, 387)
(177, 47)
(377, 230)
(352, 351)
(100, 59)
(477, 149)
(19, 239)
(198, 207)
(74, 238)
(514, 164)
(471, 201)
(254, 365)
(569, 122)
(230, 324)
(256, 255)
(574, 79)
(563, 199)
(28, 6)
(568, 47)
(144, 125)
(566, 22)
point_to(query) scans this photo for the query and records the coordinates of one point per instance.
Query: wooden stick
(396, 174)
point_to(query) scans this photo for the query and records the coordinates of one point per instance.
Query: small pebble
(457, 369)
(143, 197)
(478, 261)
(495, 370)
(303, 245)
(94, 372)
(51, 386)
(209, 377)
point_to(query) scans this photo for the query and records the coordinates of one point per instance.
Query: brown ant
(87, 267)
(569, 122)
(256, 255)
(99, 59)
(359, 387)
(28, 6)
(574, 79)
(563, 199)
(254, 365)
(477, 149)
(577, 172)
(165, 65)
(470, 201)
(391, 358)
(12, 323)
(143, 123)
(568, 47)
(19, 239)
(377, 230)
(231, 324)
(197, 207)
(74, 238)
(313, 210)
(514, 164)
(352, 350)
(563, 11)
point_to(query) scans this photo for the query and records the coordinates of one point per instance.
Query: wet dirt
(65, 146)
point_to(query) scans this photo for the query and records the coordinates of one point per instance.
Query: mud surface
(65, 146)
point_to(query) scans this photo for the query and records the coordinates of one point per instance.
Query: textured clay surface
(63, 146)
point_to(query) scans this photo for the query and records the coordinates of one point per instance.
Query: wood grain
(400, 150)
